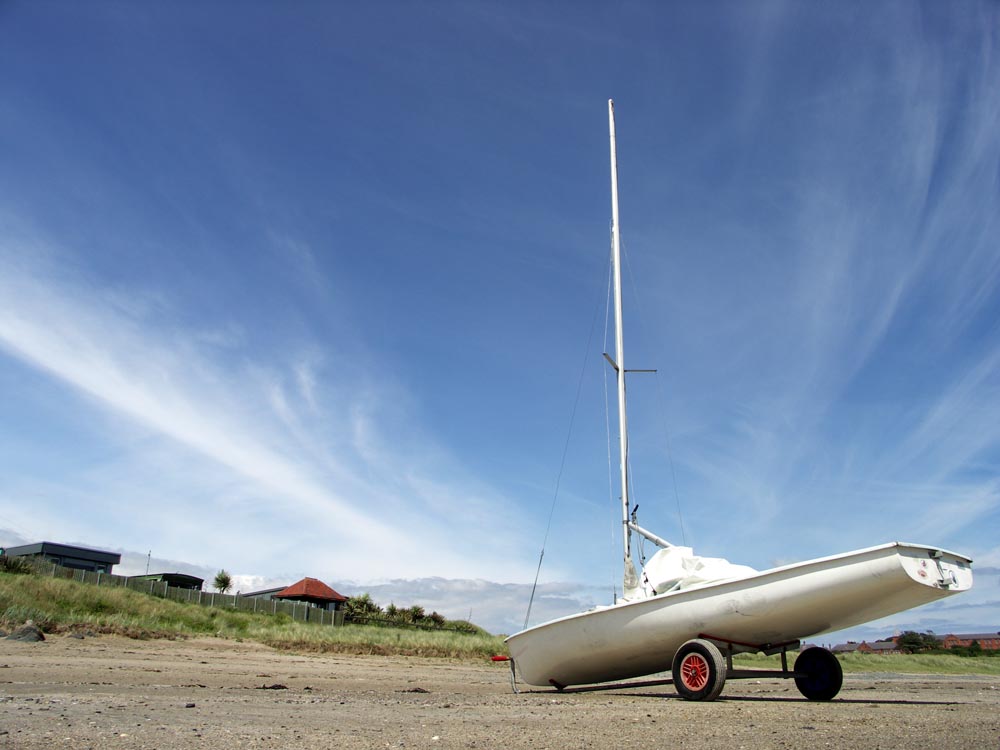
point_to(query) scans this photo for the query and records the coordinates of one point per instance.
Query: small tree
(912, 642)
(437, 619)
(15, 565)
(361, 608)
(223, 581)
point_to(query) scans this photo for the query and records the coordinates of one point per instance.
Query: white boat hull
(775, 606)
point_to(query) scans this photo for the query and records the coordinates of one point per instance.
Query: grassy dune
(58, 605)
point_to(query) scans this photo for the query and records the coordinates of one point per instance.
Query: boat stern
(937, 568)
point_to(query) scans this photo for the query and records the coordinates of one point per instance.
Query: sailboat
(690, 615)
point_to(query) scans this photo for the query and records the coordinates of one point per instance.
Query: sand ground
(113, 692)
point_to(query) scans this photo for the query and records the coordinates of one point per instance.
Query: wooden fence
(301, 611)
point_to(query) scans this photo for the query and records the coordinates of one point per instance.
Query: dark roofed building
(314, 592)
(265, 594)
(176, 580)
(68, 556)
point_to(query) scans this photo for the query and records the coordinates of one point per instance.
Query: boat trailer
(702, 665)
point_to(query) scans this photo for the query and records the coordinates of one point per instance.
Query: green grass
(59, 605)
(899, 663)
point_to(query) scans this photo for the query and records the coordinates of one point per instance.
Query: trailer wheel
(818, 674)
(699, 670)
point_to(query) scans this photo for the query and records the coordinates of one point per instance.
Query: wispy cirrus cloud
(856, 363)
(358, 501)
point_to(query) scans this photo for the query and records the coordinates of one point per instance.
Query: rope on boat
(562, 466)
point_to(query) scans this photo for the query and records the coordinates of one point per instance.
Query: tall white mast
(630, 582)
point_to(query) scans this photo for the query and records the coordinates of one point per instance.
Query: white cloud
(351, 500)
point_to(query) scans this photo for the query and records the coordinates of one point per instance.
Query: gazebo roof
(311, 588)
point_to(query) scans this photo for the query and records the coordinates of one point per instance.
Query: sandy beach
(113, 692)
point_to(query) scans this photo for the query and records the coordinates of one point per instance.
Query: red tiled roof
(312, 588)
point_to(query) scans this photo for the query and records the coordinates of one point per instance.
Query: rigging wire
(634, 496)
(659, 391)
(562, 466)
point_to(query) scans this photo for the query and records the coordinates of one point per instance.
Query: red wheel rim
(694, 672)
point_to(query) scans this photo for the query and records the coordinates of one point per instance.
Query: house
(263, 594)
(879, 647)
(176, 580)
(987, 641)
(846, 648)
(68, 556)
(314, 592)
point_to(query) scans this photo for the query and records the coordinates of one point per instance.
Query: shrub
(15, 565)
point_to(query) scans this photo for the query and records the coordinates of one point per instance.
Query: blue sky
(309, 288)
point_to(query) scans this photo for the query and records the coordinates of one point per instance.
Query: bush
(361, 608)
(223, 581)
(15, 565)
(911, 642)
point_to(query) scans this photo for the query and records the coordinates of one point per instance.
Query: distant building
(68, 556)
(846, 648)
(879, 647)
(987, 641)
(314, 592)
(264, 594)
(176, 580)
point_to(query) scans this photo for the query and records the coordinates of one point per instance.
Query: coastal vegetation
(223, 581)
(58, 605)
(362, 610)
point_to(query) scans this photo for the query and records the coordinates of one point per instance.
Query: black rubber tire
(819, 675)
(699, 670)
